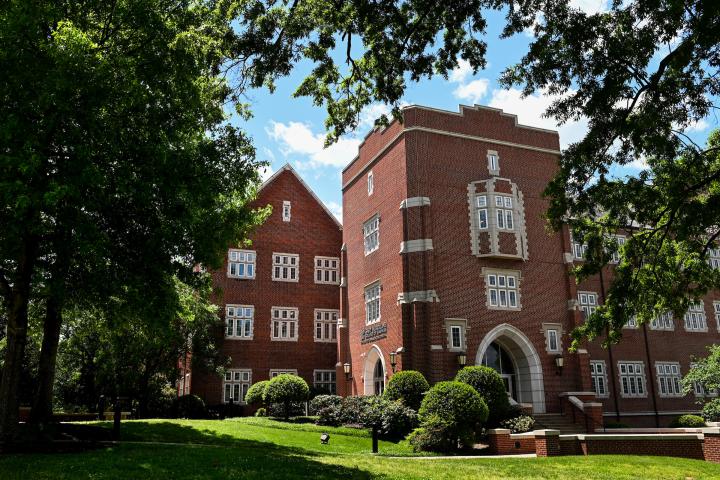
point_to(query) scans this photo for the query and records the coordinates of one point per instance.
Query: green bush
(397, 419)
(436, 435)
(458, 404)
(189, 406)
(328, 409)
(352, 410)
(261, 412)
(255, 393)
(711, 410)
(286, 389)
(519, 424)
(408, 386)
(688, 421)
(488, 383)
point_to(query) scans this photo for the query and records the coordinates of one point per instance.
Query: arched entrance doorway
(507, 350)
(374, 372)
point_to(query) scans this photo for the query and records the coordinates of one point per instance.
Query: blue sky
(291, 130)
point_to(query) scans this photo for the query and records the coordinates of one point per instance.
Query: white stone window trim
(504, 212)
(371, 234)
(231, 315)
(236, 383)
(372, 295)
(242, 259)
(663, 322)
(714, 258)
(286, 210)
(328, 323)
(587, 302)
(452, 325)
(483, 221)
(327, 377)
(598, 373)
(553, 333)
(633, 372)
(716, 312)
(493, 162)
(330, 274)
(293, 317)
(370, 183)
(695, 319)
(283, 264)
(274, 372)
(631, 323)
(499, 281)
(668, 379)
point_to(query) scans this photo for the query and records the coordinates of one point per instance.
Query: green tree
(286, 389)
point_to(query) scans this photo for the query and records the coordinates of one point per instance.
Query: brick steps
(556, 421)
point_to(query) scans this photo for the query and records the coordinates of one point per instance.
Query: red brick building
(279, 295)
(447, 258)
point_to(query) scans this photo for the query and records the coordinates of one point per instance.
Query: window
(325, 381)
(326, 325)
(632, 379)
(553, 344)
(620, 240)
(371, 183)
(598, 377)
(482, 213)
(695, 320)
(372, 303)
(455, 336)
(327, 270)
(716, 310)
(700, 390)
(285, 267)
(588, 303)
(286, 211)
(239, 321)
(714, 258)
(284, 323)
(241, 263)
(275, 373)
(493, 163)
(668, 378)
(662, 322)
(503, 212)
(235, 385)
(371, 234)
(578, 249)
(631, 323)
(502, 290)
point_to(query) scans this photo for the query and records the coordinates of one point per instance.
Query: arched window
(379, 378)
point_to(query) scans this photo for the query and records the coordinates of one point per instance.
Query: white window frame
(588, 303)
(286, 210)
(631, 376)
(453, 325)
(598, 378)
(326, 377)
(244, 260)
(456, 337)
(482, 212)
(286, 267)
(326, 322)
(284, 324)
(716, 311)
(493, 164)
(370, 183)
(553, 337)
(236, 383)
(371, 234)
(502, 289)
(373, 304)
(714, 258)
(504, 212)
(329, 270)
(668, 379)
(631, 323)
(274, 372)
(695, 319)
(578, 249)
(239, 322)
(620, 240)
(664, 322)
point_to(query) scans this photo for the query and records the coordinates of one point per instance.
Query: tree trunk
(43, 402)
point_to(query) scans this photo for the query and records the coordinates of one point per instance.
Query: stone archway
(374, 371)
(526, 363)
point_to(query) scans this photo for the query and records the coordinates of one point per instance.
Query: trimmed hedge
(688, 421)
(286, 389)
(488, 383)
(408, 386)
(256, 392)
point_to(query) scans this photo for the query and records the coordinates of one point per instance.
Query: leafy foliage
(190, 406)
(705, 371)
(256, 392)
(688, 421)
(711, 410)
(436, 435)
(328, 409)
(286, 389)
(488, 383)
(519, 424)
(408, 386)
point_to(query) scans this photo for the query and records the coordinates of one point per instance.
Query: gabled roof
(289, 168)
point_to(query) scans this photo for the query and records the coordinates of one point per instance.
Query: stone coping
(632, 437)
(574, 394)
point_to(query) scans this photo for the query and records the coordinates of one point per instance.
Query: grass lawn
(264, 449)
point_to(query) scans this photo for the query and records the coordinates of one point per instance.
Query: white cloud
(266, 172)
(473, 91)
(336, 209)
(638, 164)
(530, 110)
(460, 73)
(297, 138)
(590, 6)
(372, 112)
(699, 126)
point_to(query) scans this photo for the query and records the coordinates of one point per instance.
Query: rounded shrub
(255, 393)
(488, 383)
(190, 406)
(397, 420)
(261, 412)
(711, 410)
(688, 421)
(408, 386)
(328, 409)
(458, 404)
(353, 409)
(286, 389)
(436, 435)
